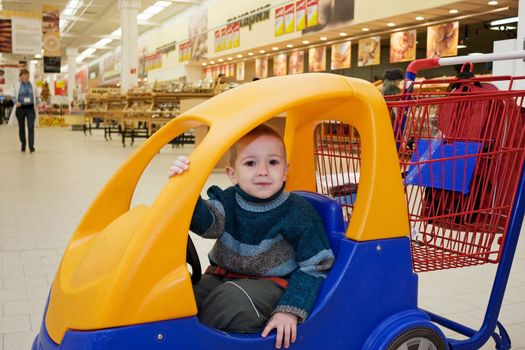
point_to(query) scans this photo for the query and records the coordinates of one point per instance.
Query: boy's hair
(23, 71)
(260, 130)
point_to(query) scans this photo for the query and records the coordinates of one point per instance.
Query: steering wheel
(192, 258)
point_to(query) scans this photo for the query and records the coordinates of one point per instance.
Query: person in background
(391, 80)
(25, 102)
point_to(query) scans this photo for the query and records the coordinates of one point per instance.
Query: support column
(129, 60)
(72, 53)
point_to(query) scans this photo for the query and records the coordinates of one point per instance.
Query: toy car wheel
(418, 339)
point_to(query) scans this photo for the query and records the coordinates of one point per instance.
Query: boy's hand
(179, 166)
(285, 325)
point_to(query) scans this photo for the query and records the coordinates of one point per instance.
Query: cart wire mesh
(461, 151)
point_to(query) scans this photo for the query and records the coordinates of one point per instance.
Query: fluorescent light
(250, 53)
(230, 58)
(323, 38)
(365, 29)
(420, 18)
(144, 16)
(504, 21)
(212, 62)
(275, 48)
(492, 3)
(88, 51)
(38, 56)
(220, 60)
(117, 32)
(461, 46)
(153, 10)
(80, 58)
(306, 42)
(453, 11)
(239, 56)
(391, 24)
(342, 34)
(103, 42)
(503, 28)
(204, 64)
(262, 51)
(289, 45)
(163, 4)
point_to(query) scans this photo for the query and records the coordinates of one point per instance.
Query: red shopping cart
(461, 147)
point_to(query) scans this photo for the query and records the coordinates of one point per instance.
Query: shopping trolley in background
(461, 148)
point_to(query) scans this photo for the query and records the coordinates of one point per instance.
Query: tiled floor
(44, 195)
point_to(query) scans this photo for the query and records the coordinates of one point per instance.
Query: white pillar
(129, 60)
(71, 53)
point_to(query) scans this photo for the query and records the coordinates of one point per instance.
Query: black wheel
(192, 258)
(418, 339)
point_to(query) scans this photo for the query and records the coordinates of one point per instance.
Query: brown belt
(219, 271)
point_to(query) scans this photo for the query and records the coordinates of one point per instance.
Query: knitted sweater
(282, 236)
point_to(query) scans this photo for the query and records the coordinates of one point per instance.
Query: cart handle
(415, 66)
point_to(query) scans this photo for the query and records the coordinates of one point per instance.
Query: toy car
(123, 282)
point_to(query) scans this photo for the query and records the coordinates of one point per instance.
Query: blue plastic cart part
(370, 283)
(445, 166)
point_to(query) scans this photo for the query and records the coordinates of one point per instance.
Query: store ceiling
(98, 18)
(94, 20)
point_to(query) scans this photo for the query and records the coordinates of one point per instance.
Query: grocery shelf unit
(146, 112)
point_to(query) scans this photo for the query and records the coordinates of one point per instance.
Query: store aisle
(43, 196)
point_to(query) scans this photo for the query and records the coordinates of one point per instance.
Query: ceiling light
(342, 34)
(453, 11)
(220, 60)
(504, 21)
(365, 29)
(163, 3)
(88, 51)
(230, 58)
(503, 28)
(275, 48)
(38, 56)
(80, 59)
(103, 42)
(419, 18)
(262, 51)
(250, 53)
(391, 24)
(323, 38)
(492, 3)
(212, 62)
(117, 32)
(144, 16)
(306, 42)
(239, 56)
(462, 46)
(153, 10)
(289, 45)
(204, 64)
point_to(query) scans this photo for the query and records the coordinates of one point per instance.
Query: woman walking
(26, 101)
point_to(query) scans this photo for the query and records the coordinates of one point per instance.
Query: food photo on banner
(239, 71)
(261, 67)
(280, 64)
(6, 36)
(369, 51)
(296, 62)
(340, 58)
(317, 59)
(198, 32)
(403, 46)
(442, 40)
(329, 14)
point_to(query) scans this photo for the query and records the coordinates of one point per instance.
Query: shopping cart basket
(461, 147)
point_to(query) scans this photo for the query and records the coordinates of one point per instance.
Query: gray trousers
(236, 305)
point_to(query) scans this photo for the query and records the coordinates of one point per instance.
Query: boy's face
(260, 168)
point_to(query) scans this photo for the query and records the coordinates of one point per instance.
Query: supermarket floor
(44, 195)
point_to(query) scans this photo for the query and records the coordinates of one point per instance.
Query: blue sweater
(282, 236)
